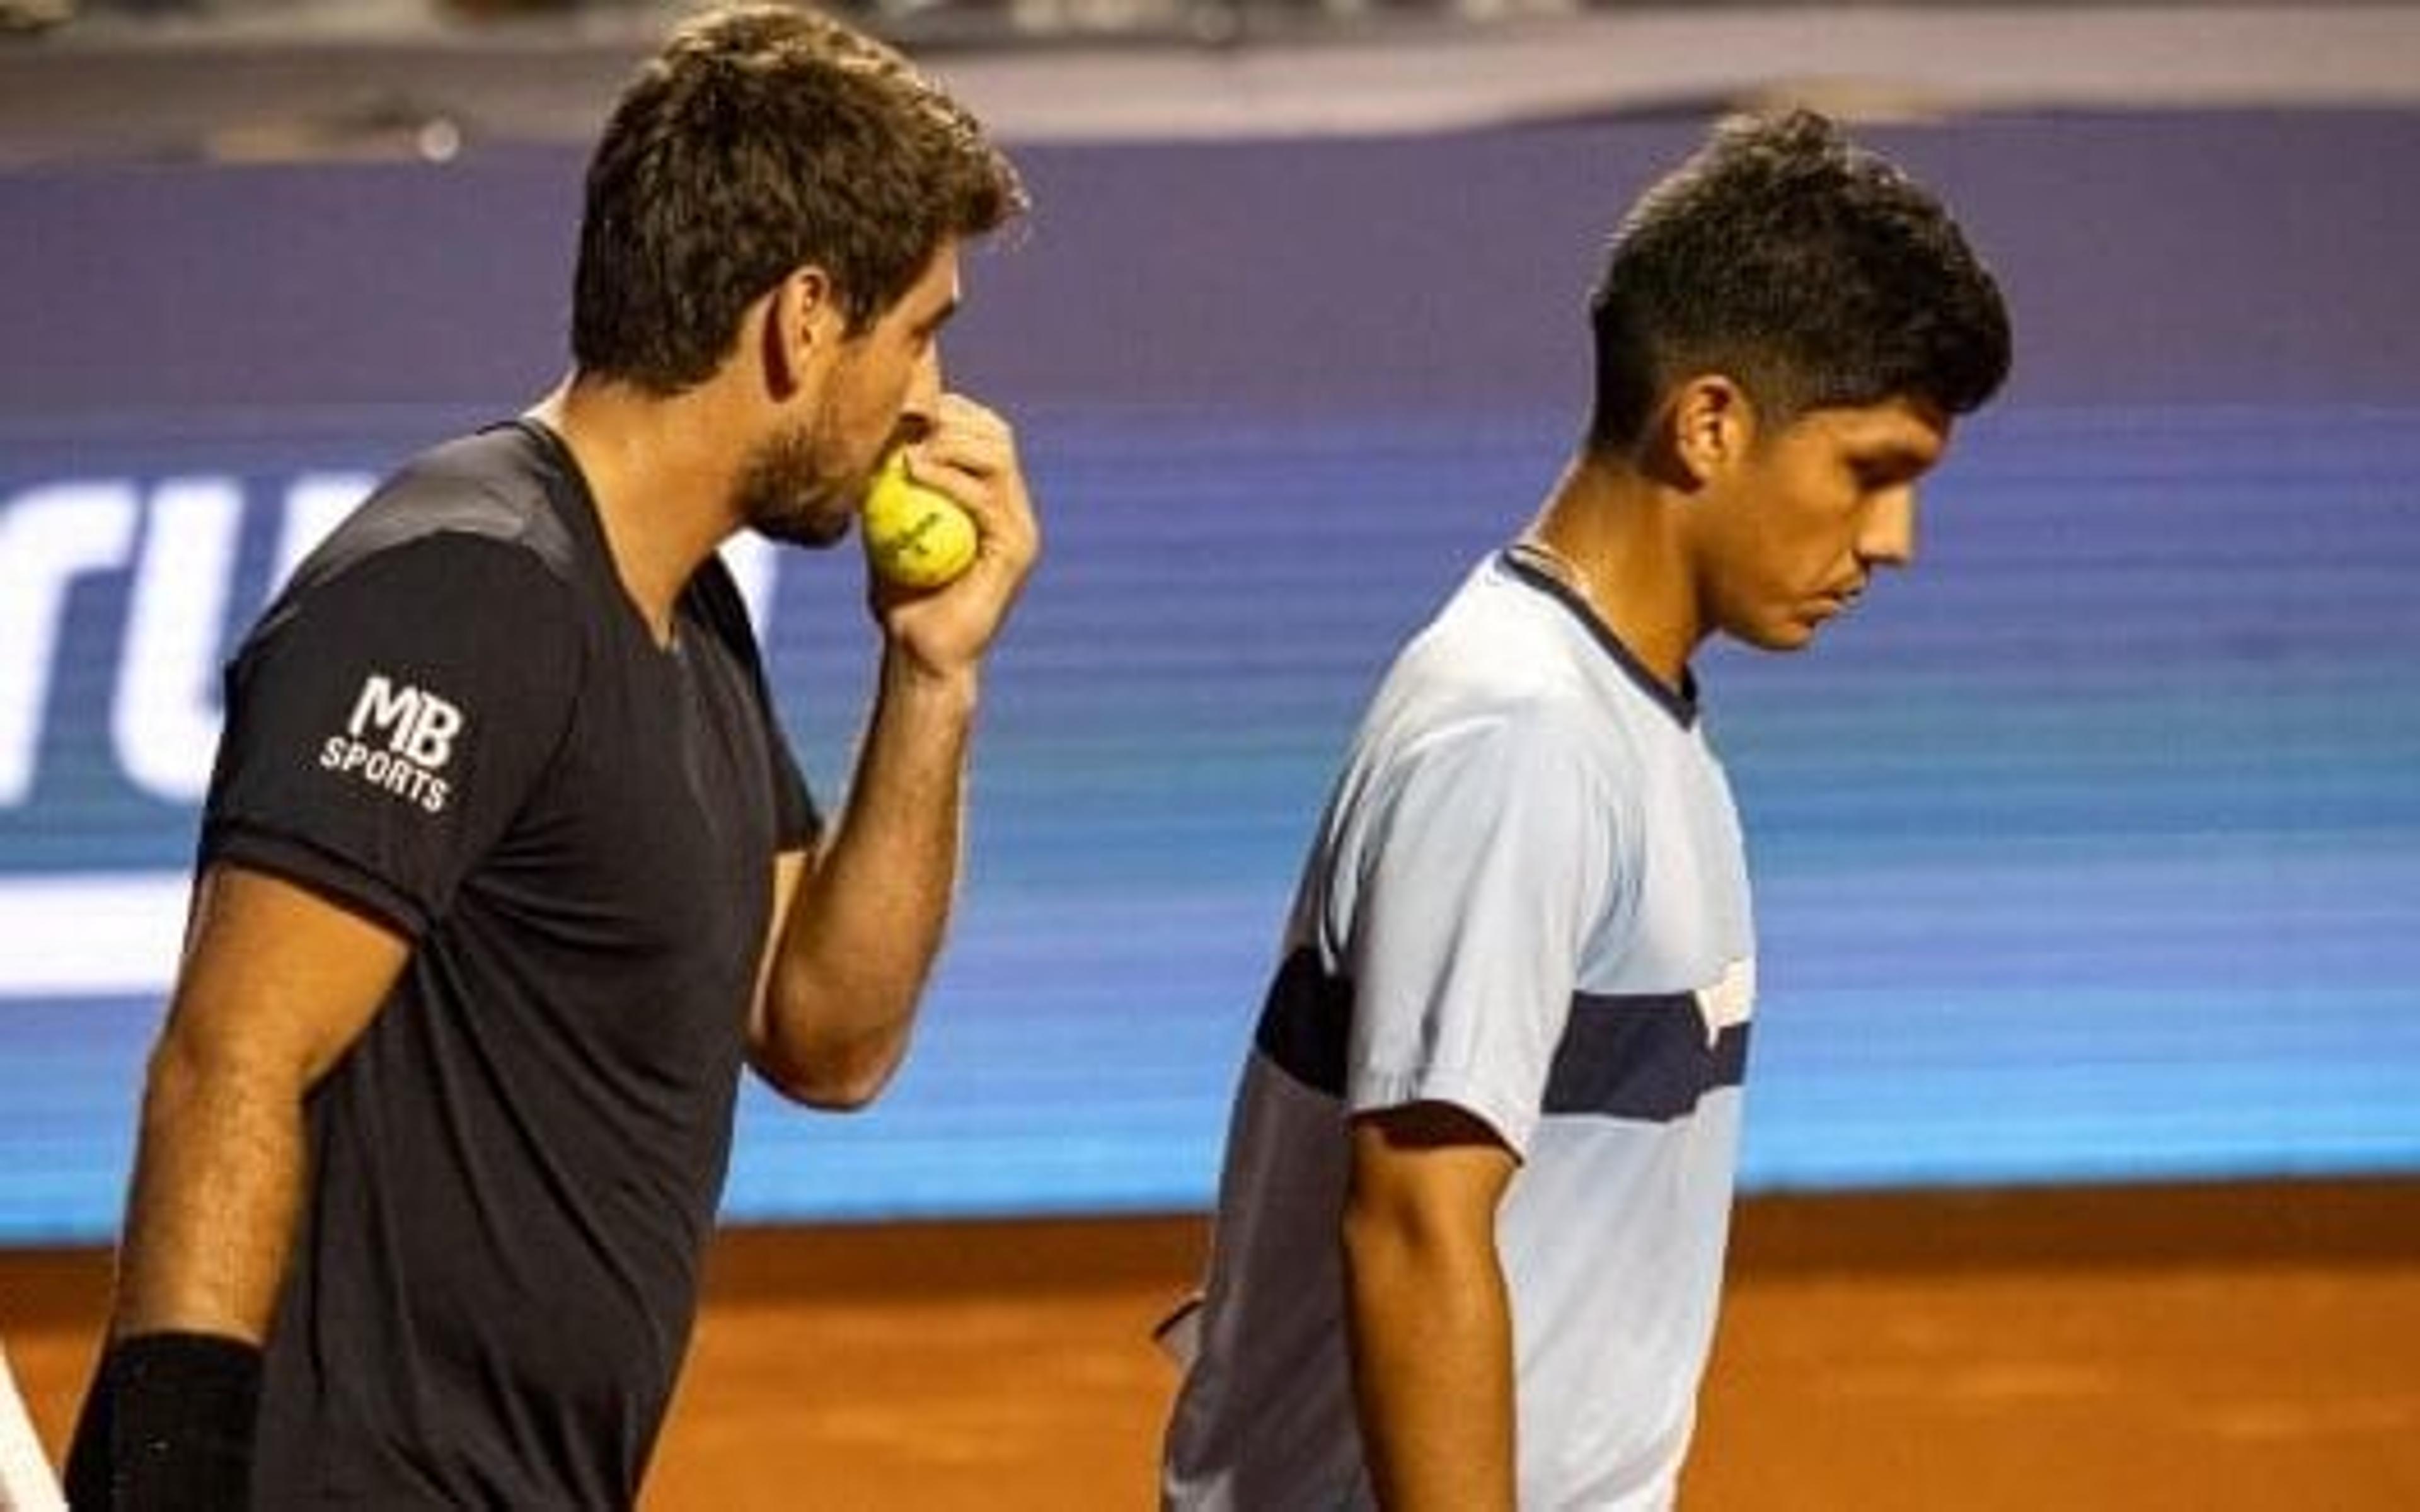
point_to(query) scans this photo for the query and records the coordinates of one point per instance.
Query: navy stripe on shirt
(1643, 1059)
(1306, 1023)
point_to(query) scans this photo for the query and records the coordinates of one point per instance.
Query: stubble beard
(787, 492)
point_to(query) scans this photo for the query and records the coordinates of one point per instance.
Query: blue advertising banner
(2090, 850)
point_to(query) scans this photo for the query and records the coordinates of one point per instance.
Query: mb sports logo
(414, 731)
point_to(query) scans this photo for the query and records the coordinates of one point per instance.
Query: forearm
(170, 1418)
(210, 1219)
(275, 986)
(861, 934)
(1430, 1333)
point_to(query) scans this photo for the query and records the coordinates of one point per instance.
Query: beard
(788, 492)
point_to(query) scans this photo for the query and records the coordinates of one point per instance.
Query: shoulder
(1485, 762)
(1483, 727)
(469, 538)
(1513, 700)
(496, 490)
(1496, 646)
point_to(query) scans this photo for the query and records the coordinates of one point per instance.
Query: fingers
(964, 432)
(969, 453)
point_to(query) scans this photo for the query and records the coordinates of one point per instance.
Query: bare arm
(865, 918)
(1429, 1319)
(276, 982)
(858, 924)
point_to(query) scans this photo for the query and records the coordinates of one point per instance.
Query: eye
(1877, 474)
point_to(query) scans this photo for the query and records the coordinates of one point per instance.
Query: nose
(922, 408)
(1888, 537)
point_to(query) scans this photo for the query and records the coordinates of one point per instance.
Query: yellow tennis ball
(915, 536)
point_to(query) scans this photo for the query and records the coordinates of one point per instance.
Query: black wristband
(168, 1426)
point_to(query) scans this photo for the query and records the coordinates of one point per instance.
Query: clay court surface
(2201, 1349)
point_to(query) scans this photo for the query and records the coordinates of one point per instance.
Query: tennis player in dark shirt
(506, 870)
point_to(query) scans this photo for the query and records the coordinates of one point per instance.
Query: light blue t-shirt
(1527, 899)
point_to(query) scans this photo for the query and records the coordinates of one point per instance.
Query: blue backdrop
(2089, 850)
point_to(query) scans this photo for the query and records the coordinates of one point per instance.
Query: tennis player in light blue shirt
(1470, 1231)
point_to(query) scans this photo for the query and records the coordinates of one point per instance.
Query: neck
(664, 477)
(1617, 533)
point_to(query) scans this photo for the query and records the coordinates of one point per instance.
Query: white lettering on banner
(182, 536)
(164, 720)
(91, 936)
(49, 537)
(164, 713)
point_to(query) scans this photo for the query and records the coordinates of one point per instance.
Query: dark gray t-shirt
(454, 722)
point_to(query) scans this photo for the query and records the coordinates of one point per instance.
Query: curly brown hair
(761, 139)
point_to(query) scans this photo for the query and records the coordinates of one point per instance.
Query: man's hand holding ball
(915, 536)
(949, 536)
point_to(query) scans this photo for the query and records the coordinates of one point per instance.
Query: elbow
(839, 1095)
(833, 1079)
(832, 1047)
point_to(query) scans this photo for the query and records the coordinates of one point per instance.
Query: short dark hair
(761, 139)
(1808, 269)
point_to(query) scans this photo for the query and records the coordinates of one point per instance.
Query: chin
(1787, 635)
(815, 530)
(809, 516)
(784, 496)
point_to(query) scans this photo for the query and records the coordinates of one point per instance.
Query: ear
(1710, 426)
(803, 326)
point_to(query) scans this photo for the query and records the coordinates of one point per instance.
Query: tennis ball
(915, 536)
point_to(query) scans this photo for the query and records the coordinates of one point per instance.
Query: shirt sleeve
(386, 722)
(1477, 874)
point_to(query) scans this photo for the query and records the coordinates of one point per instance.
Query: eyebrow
(1895, 456)
(939, 318)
